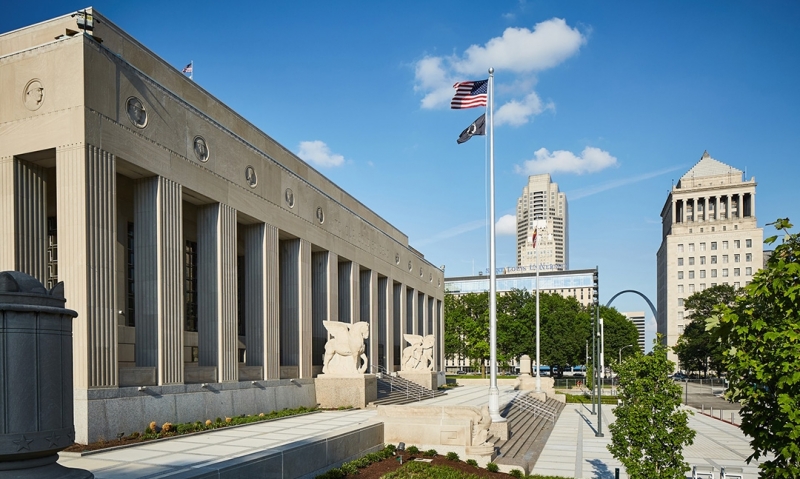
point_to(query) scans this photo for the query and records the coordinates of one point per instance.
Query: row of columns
(713, 208)
(289, 289)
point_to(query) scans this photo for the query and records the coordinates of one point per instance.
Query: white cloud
(590, 160)
(317, 153)
(452, 232)
(521, 50)
(517, 55)
(506, 226)
(516, 113)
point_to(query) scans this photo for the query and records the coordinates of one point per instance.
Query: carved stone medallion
(33, 94)
(409, 265)
(136, 112)
(397, 258)
(201, 148)
(250, 176)
(320, 215)
(289, 197)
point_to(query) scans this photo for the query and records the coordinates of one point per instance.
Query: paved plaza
(571, 451)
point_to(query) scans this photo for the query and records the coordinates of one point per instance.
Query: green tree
(651, 429)
(619, 332)
(697, 348)
(761, 333)
(516, 324)
(564, 329)
(468, 315)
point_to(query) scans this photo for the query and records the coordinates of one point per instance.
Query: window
(680, 248)
(680, 274)
(190, 286)
(748, 271)
(724, 258)
(713, 260)
(737, 258)
(691, 260)
(702, 260)
(680, 288)
(691, 288)
(702, 286)
(691, 274)
(748, 257)
(713, 284)
(736, 285)
(702, 273)
(713, 273)
(130, 317)
(713, 245)
(680, 315)
(748, 243)
(737, 244)
(702, 246)
(724, 245)
(680, 328)
(725, 272)
(691, 247)
(680, 302)
(680, 261)
(736, 271)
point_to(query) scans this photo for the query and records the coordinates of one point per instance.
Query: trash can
(36, 405)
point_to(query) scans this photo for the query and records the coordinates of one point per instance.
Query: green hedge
(586, 399)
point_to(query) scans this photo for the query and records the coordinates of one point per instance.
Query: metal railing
(534, 406)
(397, 383)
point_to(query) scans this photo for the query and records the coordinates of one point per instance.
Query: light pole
(620, 352)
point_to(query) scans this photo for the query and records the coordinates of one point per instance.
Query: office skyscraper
(542, 205)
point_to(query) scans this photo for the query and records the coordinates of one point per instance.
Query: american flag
(533, 237)
(469, 94)
(188, 68)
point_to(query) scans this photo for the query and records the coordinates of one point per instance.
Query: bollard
(616, 473)
(702, 409)
(711, 411)
(732, 419)
(36, 384)
(720, 414)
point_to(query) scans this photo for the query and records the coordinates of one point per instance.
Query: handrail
(411, 388)
(529, 404)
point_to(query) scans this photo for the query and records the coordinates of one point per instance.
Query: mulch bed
(378, 469)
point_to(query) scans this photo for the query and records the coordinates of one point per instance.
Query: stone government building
(201, 255)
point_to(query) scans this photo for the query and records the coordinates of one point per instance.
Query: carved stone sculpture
(419, 355)
(480, 430)
(345, 350)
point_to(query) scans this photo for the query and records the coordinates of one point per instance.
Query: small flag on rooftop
(189, 69)
(478, 127)
(469, 94)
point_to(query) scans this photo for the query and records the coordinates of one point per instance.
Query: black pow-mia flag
(478, 127)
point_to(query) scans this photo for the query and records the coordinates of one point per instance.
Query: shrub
(412, 450)
(208, 422)
(391, 447)
(515, 473)
(429, 453)
(334, 473)
(492, 467)
(167, 427)
(452, 456)
(228, 420)
(472, 462)
(349, 468)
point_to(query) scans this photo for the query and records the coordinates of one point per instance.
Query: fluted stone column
(158, 285)
(306, 330)
(217, 306)
(23, 207)
(262, 327)
(86, 199)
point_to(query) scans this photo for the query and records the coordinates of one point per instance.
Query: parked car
(679, 376)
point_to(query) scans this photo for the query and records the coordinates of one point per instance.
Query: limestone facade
(709, 236)
(195, 248)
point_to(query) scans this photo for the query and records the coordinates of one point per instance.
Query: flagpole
(191, 73)
(538, 364)
(494, 392)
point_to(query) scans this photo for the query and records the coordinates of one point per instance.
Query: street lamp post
(620, 352)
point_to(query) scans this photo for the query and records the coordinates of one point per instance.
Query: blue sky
(619, 99)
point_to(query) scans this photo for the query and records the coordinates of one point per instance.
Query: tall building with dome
(709, 236)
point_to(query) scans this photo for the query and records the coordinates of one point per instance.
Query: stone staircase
(393, 389)
(530, 423)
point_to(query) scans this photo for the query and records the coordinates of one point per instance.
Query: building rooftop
(708, 166)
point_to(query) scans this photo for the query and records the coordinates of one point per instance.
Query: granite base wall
(300, 460)
(105, 413)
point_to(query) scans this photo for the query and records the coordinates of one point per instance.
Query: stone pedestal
(428, 379)
(344, 391)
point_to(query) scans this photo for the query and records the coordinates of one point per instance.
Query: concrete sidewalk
(571, 451)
